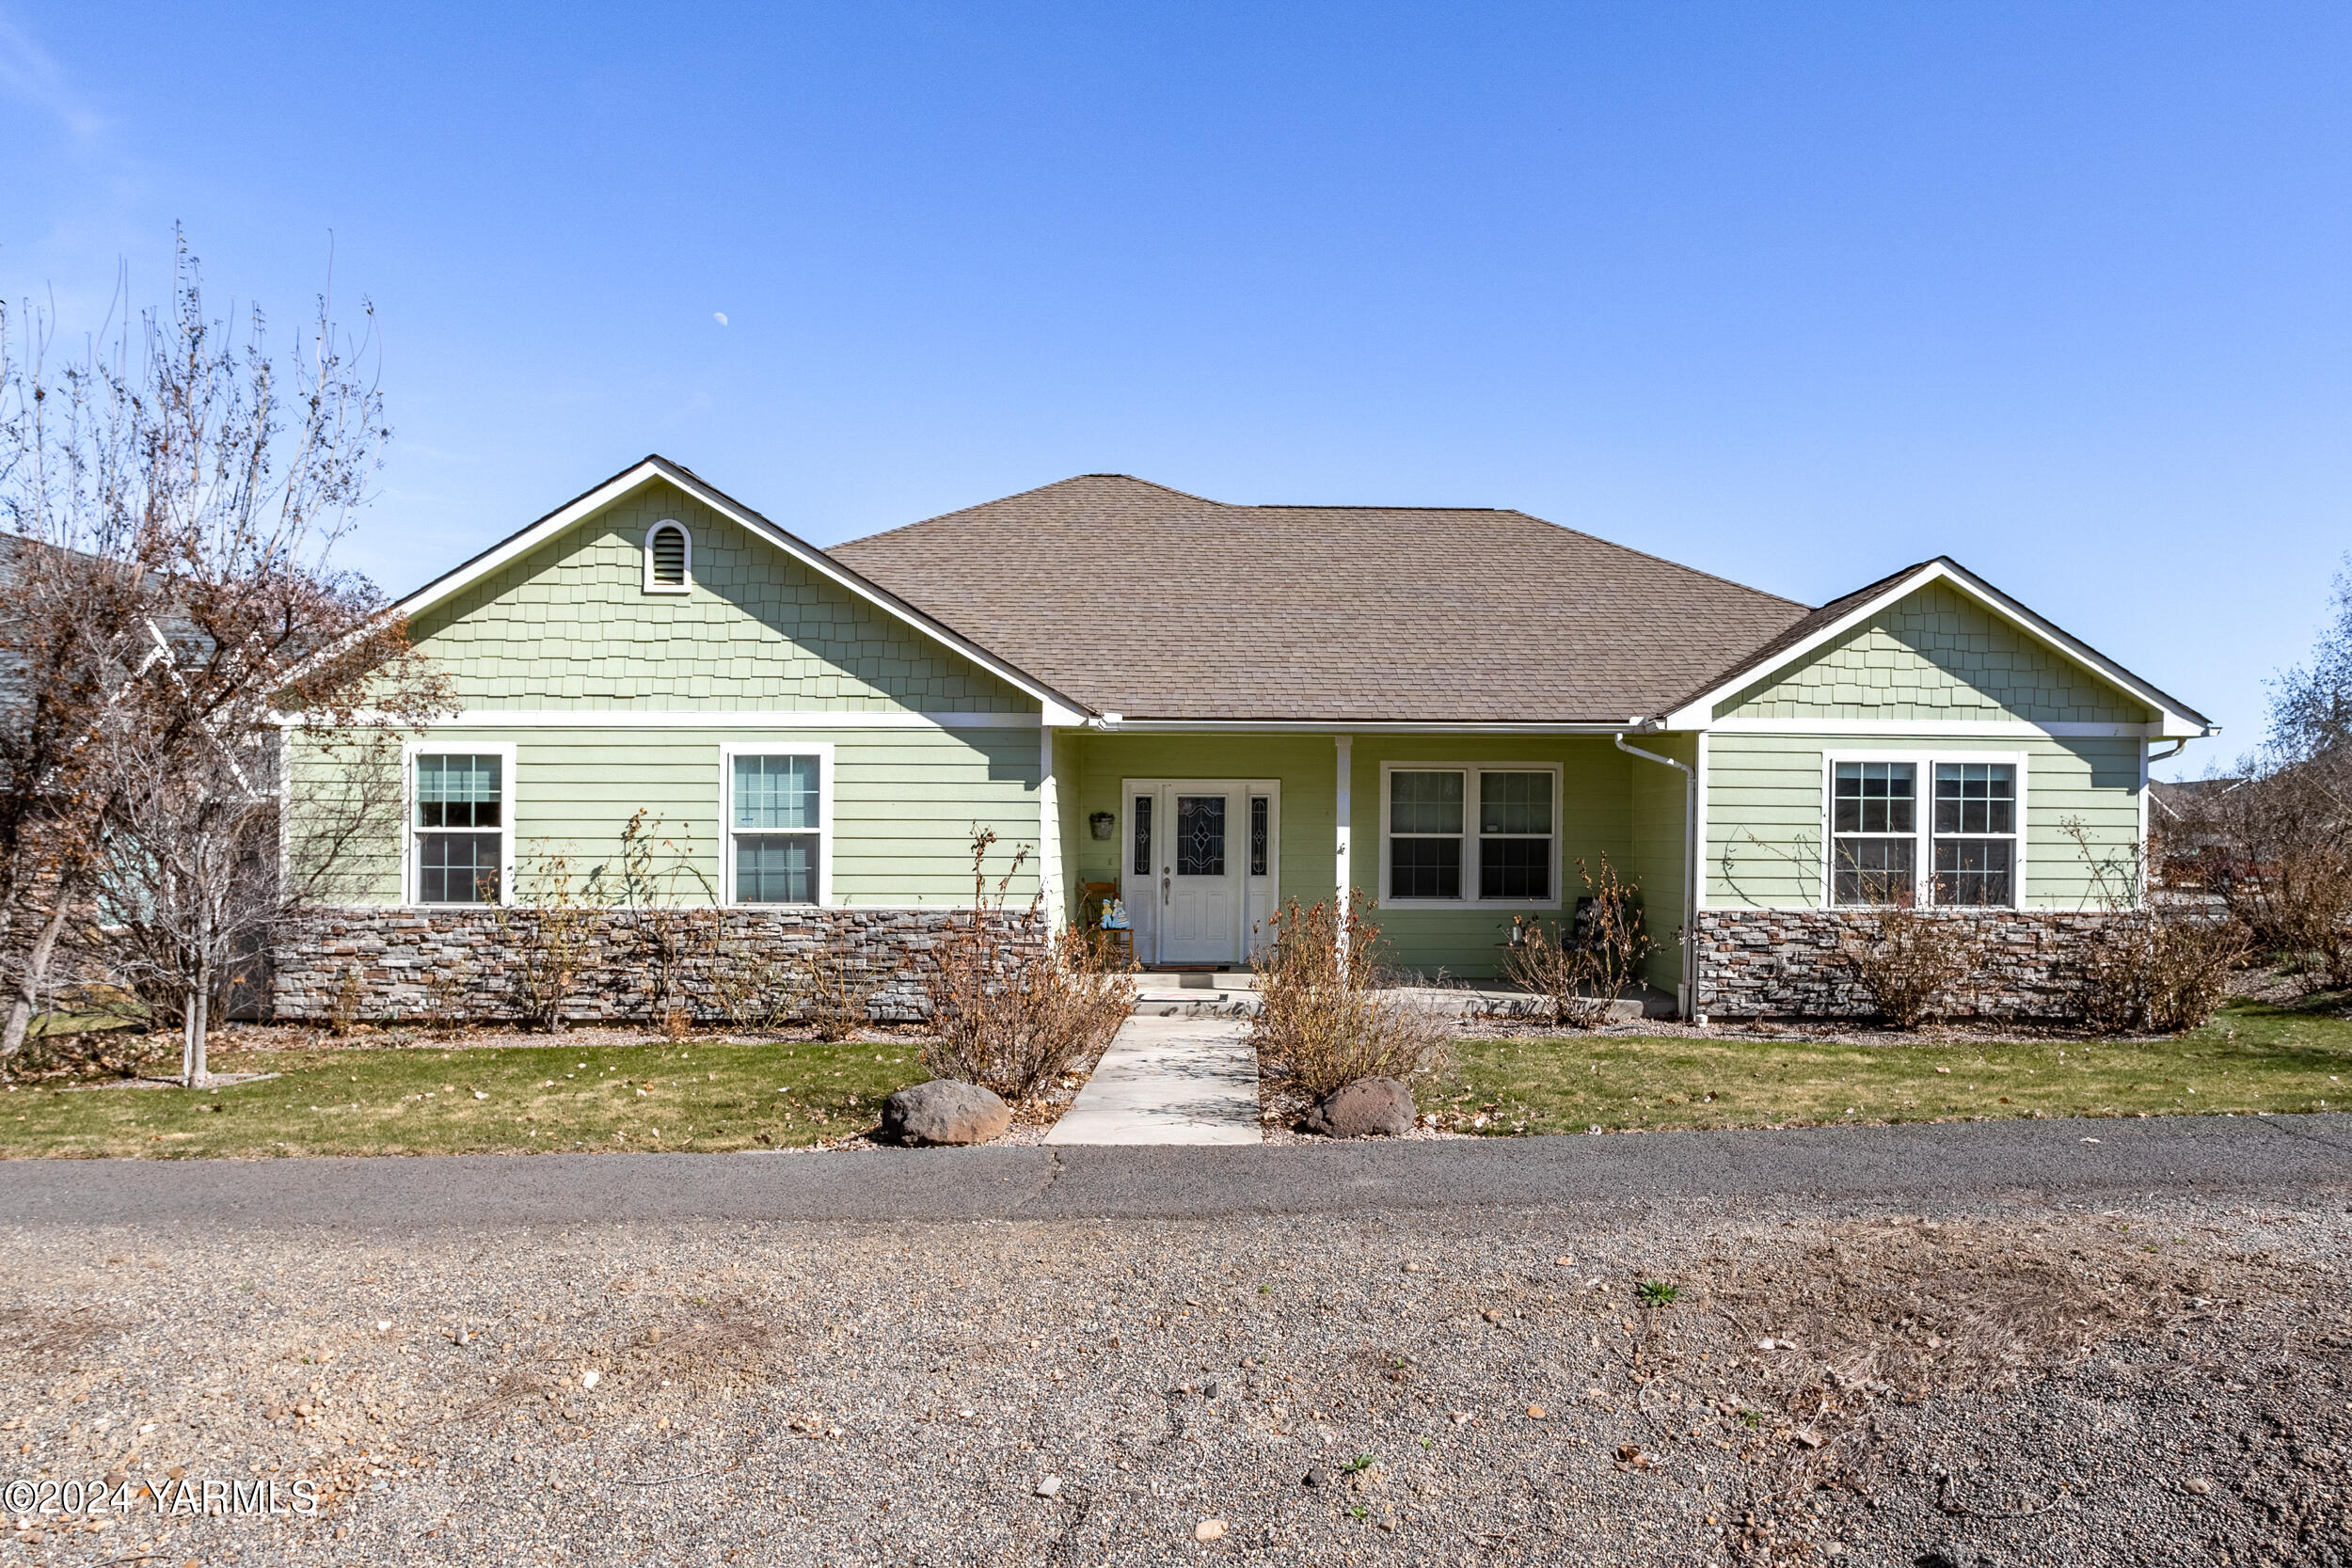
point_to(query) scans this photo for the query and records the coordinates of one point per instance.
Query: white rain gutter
(1688, 1001)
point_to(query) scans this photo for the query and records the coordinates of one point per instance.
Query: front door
(1199, 879)
(1196, 859)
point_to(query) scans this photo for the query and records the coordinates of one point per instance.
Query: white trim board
(1346, 727)
(2176, 721)
(1958, 729)
(646, 472)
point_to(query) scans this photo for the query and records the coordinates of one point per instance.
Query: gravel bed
(2004, 1384)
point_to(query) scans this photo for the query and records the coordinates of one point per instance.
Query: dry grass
(1793, 1355)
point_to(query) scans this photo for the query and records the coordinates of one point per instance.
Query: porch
(1203, 836)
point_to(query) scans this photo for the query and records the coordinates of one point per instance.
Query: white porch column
(1343, 879)
(1048, 830)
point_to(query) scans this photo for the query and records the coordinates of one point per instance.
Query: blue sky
(1796, 294)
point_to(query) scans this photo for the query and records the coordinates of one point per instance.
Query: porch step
(1193, 1002)
(1454, 1002)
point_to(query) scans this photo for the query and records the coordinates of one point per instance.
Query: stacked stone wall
(739, 966)
(1795, 963)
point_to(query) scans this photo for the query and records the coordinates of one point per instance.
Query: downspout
(2148, 760)
(1689, 1000)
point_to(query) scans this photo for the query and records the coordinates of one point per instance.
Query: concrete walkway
(1168, 1080)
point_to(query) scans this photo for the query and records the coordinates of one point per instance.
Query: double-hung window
(460, 827)
(779, 825)
(1976, 832)
(1470, 835)
(1957, 847)
(1425, 834)
(1874, 832)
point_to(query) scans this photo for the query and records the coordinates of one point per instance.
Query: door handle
(1163, 885)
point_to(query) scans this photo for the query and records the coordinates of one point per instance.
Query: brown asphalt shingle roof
(1144, 601)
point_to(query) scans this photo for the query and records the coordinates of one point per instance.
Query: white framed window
(669, 558)
(1454, 834)
(1923, 828)
(457, 846)
(776, 807)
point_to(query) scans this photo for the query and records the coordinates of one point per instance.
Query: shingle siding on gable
(1936, 655)
(570, 626)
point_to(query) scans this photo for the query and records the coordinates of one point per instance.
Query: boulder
(945, 1112)
(1368, 1108)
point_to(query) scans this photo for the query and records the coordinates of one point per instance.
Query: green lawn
(697, 1095)
(2252, 1057)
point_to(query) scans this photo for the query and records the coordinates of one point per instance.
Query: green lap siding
(905, 802)
(1765, 811)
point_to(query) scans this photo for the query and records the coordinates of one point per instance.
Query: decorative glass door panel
(1200, 835)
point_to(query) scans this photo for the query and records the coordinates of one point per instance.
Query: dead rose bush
(1326, 1015)
(1010, 1012)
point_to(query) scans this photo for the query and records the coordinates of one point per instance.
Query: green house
(1204, 711)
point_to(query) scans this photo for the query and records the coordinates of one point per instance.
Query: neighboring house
(1220, 709)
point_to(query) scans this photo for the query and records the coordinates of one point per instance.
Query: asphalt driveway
(2049, 1160)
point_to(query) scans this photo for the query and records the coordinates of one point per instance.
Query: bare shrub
(2148, 966)
(655, 873)
(834, 987)
(2275, 847)
(1011, 1013)
(2276, 852)
(1583, 970)
(550, 944)
(1324, 1018)
(1913, 963)
(445, 990)
(344, 1011)
(2191, 964)
(746, 981)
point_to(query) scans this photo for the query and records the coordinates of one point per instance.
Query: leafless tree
(189, 485)
(2275, 845)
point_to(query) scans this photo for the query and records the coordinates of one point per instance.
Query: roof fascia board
(1059, 708)
(1350, 726)
(2176, 720)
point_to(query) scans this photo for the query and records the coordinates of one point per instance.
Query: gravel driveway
(2000, 1380)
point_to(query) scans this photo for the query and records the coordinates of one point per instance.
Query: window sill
(667, 588)
(1499, 905)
